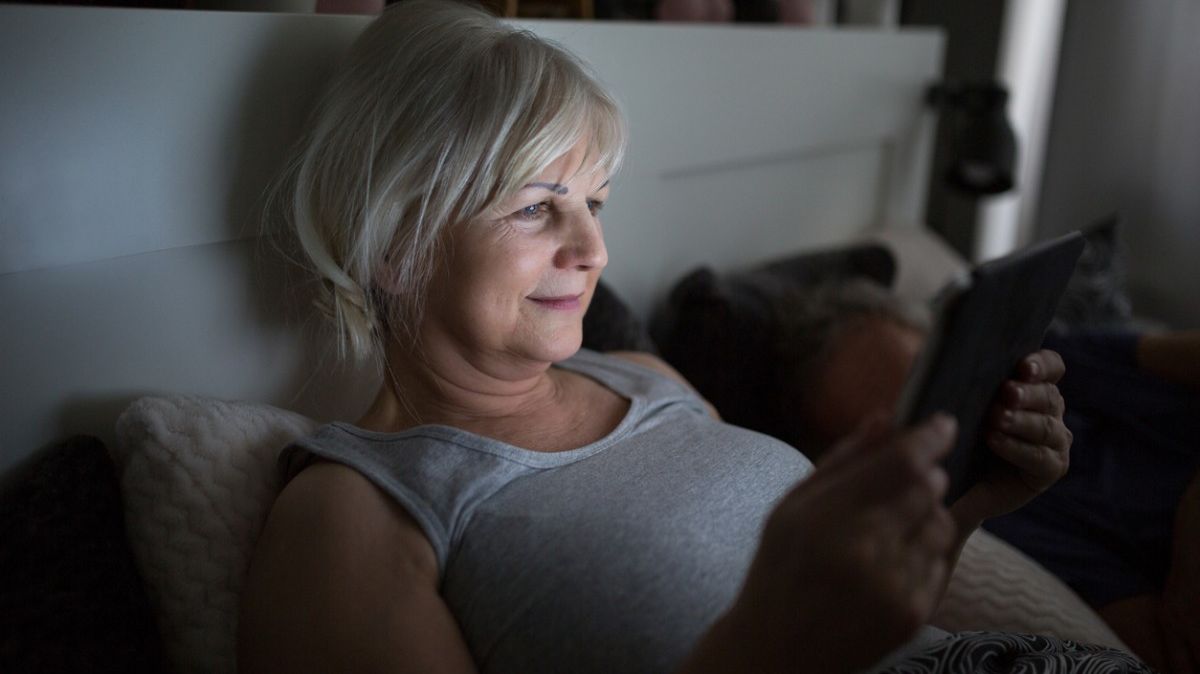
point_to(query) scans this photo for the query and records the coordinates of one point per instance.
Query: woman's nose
(583, 243)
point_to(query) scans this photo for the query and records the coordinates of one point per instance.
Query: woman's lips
(559, 302)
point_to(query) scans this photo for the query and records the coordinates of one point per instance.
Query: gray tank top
(612, 557)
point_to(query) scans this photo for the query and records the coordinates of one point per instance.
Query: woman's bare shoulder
(334, 508)
(343, 578)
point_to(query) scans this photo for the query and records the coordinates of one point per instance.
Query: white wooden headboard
(135, 146)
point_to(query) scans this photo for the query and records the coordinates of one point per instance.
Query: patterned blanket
(996, 653)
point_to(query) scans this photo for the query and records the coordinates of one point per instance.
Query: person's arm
(1181, 596)
(343, 580)
(653, 362)
(1174, 356)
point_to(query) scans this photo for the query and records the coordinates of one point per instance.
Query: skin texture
(852, 561)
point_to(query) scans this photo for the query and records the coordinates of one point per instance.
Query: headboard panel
(135, 146)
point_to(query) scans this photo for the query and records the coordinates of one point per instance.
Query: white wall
(1028, 64)
(1125, 137)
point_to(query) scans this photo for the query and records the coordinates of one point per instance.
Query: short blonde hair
(439, 111)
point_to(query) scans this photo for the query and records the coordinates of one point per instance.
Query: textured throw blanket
(996, 653)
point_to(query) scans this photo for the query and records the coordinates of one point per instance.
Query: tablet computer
(984, 323)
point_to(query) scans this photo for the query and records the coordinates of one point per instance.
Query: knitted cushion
(197, 479)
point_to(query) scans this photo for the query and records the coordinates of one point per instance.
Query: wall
(1125, 137)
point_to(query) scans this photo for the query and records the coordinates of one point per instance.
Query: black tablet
(984, 323)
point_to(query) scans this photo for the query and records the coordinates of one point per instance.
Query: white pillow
(198, 478)
(924, 261)
(997, 587)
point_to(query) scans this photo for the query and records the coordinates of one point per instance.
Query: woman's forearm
(965, 523)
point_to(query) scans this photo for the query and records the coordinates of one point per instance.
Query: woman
(508, 503)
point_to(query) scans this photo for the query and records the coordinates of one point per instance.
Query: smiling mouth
(559, 302)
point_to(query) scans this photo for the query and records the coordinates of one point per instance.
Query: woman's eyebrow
(553, 187)
(559, 188)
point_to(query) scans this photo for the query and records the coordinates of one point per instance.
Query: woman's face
(516, 281)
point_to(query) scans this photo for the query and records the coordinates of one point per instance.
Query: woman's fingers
(1037, 397)
(1036, 428)
(1041, 366)
(903, 461)
(1040, 465)
(869, 434)
(935, 532)
(869, 523)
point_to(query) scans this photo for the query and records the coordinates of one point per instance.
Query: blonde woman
(509, 503)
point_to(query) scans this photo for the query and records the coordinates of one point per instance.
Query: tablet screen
(983, 326)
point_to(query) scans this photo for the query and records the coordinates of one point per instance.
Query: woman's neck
(444, 386)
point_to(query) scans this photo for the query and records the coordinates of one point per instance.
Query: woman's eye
(595, 205)
(533, 211)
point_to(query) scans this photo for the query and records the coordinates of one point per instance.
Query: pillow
(720, 332)
(70, 596)
(924, 261)
(610, 325)
(996, 587)
(198, 477)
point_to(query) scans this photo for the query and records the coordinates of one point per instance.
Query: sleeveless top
(612, 557)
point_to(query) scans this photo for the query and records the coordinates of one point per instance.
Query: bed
(138, 279)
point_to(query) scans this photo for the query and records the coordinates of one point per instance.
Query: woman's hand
(1026, 429)
(853, 560)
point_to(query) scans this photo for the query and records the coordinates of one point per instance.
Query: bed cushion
(610, 325)
(70, 596)
(998, 588)
(924, 261)
(197, 479)
(720, 330)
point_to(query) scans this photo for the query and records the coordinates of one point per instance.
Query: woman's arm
(343, 580)
(1174, 356)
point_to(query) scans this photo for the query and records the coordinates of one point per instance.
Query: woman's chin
(560, 347)
(564, 351)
